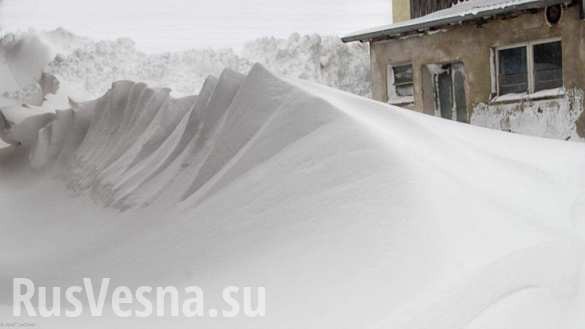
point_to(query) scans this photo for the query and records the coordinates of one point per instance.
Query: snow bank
(20, 124)
(23, 58)
(95, 66)
(25, 88)
(323, 59)
(352, 213)
(92, 66)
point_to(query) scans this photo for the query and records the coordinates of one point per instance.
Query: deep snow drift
(352, 213)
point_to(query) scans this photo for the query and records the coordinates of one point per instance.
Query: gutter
(451, 20)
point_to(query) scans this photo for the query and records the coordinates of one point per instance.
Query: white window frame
(529, 62)
(393, 97)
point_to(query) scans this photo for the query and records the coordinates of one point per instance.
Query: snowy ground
(350, 212)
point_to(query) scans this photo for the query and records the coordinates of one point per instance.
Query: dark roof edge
(390, 32)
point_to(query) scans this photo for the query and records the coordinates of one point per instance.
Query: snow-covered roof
(458, 13)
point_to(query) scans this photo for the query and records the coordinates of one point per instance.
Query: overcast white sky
(180, 24)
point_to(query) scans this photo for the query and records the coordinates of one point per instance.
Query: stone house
(515, 65)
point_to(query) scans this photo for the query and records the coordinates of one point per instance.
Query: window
(529, 68)
(548, 66)
(513, 73)
(400, 84)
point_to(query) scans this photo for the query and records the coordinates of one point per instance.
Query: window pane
(513, 75)
(402, 74)
(400, 83)
(405, 90)
(548, 66)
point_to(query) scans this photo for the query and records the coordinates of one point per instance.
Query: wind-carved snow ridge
(132, 146)
(350, 212)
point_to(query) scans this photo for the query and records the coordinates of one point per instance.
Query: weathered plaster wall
(580, 125)
(552, 118)
(471, 44)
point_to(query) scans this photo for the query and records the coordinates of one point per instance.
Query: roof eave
(425, 26)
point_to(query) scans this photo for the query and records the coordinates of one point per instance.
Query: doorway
(448, 84)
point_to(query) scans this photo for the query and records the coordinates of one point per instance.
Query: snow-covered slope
(352, 213)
